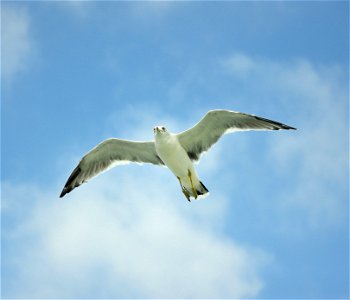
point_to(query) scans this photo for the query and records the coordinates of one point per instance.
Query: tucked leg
(193, 189)
(184, 191)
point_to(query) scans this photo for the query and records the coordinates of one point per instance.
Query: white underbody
(176, 159)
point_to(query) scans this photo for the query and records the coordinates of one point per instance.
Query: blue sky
(276, 222)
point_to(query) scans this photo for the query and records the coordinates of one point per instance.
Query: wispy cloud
(18, 47)
(79, 9)
(317, 102)
(239, 64)
(150, 9)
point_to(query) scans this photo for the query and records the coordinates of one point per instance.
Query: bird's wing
(215, 123)
(108, 154)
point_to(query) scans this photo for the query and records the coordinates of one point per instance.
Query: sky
(276, 222)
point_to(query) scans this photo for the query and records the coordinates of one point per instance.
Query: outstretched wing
(215, 123)
(108, 154)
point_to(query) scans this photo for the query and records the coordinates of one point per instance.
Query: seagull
(178, 152)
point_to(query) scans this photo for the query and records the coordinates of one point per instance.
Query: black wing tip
(64, 191)
(68, 187)
(285, 127)
(277, 125)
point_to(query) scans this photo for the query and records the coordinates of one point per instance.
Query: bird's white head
(160, 131)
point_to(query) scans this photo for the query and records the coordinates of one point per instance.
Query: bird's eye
(163, 128)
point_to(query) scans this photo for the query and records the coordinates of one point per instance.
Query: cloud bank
(127, 234)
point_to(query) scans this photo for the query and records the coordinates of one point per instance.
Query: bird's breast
(174, 156)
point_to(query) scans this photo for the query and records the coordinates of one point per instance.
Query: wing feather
(215, 123)
(108, 154)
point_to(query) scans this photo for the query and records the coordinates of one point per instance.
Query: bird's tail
(200, 189)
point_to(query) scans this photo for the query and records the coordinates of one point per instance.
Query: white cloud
(320, 148)
(128, 233)
(315, 101)
(17, 43)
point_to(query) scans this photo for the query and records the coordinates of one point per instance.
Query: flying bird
(178, 152)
